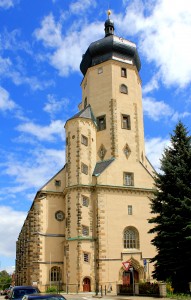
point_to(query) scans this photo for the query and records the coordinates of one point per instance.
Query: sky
(41, 46)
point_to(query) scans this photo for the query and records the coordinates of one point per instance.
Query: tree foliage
(5, 280)
(171, 206)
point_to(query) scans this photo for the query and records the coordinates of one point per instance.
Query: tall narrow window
(130, 210)
(123, 72)
(85, 230)
(128, 179)
(123, 89)
(84, 168)
(101, 123)
(85, 102)
(84, 140)
(125, 122)
(85, 201)
(86, 257)
(131, 238)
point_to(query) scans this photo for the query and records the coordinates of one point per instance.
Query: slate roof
(86, 113)
(101, 166)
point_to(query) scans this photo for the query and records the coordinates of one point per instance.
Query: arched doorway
(86, 285)
(129, 277)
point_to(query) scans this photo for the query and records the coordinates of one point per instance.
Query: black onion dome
(110, 47)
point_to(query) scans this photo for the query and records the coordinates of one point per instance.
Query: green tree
(5, 280)
(171, 206)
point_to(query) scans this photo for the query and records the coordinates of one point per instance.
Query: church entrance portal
(86, 285)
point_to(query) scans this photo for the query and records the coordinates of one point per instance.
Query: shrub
(52, 289)
(147, 288)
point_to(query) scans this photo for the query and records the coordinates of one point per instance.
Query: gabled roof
(101, 166)
(51, 178)
(86, 113)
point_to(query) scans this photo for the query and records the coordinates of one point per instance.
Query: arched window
(123, 89)
(55, 274)
(131, 238)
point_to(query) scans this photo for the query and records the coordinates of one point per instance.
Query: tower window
(85, 201)
(123, 72)
(131, 238)
(84, 140)
(86, 257)
(128, 179)
(57, 182)
(101, 123)
(130, 210)
(125, 122)
(84, 168)
(123, 89)
(85, 102)
(85, 230)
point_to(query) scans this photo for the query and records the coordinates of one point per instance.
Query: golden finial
(108, 13)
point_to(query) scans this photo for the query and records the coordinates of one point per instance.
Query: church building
(87, 227)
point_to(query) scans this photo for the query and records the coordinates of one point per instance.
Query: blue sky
(41, 45)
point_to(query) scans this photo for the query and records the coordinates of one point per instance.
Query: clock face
(59, 215)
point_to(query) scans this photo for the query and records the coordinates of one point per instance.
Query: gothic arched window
(131, 238)
(55, 274)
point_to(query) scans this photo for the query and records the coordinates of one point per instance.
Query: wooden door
(86, 285)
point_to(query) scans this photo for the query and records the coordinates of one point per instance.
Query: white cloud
(179, 116)
(151, 85)
(154, 150)
(10, 70)
(53, 106)
(5, 65)
(43, 133)
(33, 171)
(11, 222)
(156, 110)
(164, 36)
(6, 4)
(50, 32)
(80, 6)
(9, 41)
(6, 103)
(66, 51)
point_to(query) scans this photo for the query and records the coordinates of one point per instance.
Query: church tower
(108, 177)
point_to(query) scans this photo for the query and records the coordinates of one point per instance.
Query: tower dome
(110, 47)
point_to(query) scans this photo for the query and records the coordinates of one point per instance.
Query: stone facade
(93, 215)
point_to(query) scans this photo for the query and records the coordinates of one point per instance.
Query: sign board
(126, 265)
